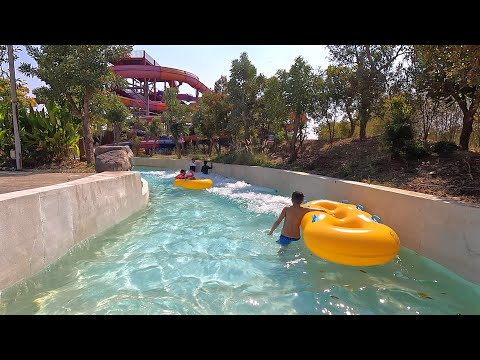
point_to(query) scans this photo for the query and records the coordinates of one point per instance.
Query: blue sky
(209, 62)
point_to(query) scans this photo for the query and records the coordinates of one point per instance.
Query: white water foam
(258, 199)
(161, 174)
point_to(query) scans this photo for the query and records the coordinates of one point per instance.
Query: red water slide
(146, 69)
(153, 105)
(159, 73)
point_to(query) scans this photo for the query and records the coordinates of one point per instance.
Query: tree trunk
(247, 130)
(116, 135)
(467, 129)
(87, 139)
(425, 138)
(352, 122)
(331, 132)
(363, 115)
(178, 148)
(363, 119)
(210, 147)
(293, 140)
(363, 129)
(352, 129)
(468, 115)
(286, 133)
(87, 132)
(81, 147)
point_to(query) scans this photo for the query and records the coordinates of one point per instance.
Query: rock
(113, 158)
(105, 148)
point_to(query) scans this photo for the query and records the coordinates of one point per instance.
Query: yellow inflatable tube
(197, 184)
(345, 234)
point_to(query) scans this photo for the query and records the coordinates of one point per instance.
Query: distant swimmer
(205, 167)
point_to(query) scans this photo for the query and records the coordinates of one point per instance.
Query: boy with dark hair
(205, 167)
(293, 217)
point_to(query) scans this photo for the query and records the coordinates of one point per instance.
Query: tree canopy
(75, 73)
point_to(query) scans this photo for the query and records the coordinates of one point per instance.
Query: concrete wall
(38, 226)
(444, 231)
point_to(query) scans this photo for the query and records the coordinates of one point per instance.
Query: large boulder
(113, 158)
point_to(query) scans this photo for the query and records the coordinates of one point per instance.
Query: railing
(137, 53)
(149, 58)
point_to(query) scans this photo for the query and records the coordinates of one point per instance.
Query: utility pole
(13, 90)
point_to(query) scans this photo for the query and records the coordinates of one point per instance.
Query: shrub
(414, 150)
(444, 148)
(136, 145)
(399, 135)
(245, 158)
(398, 130)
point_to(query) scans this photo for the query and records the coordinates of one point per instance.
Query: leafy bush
(245, 158)
(136, 145)
(399, 135)
(444, 148)
(45, 136)
(415, 151)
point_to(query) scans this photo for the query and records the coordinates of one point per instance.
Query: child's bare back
(293, 218)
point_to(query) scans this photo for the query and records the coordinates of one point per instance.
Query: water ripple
(208, 252)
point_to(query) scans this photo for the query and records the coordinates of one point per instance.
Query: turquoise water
(208, 252)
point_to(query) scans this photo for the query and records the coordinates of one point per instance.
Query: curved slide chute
(160, 73)
(143, 70)
(153, 105)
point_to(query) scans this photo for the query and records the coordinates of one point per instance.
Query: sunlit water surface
(208, 252)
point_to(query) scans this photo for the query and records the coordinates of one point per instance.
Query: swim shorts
(285, 240)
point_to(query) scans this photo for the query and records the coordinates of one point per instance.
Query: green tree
(326, 102)
(48, 134)
(298, 86)
(371, 68)
(341, 86)
(118, 115)
(451, 73)
(243, 89)
(107, 109)
(212, 116)
(154, 130)
(75, 73)
(275, 106)
(4, 60)
(221, 85)
(399, 133)
(176, 116)
(23, 98)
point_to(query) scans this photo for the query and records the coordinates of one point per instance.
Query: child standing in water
(193, 166)
(205, 167)
(293, 217)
